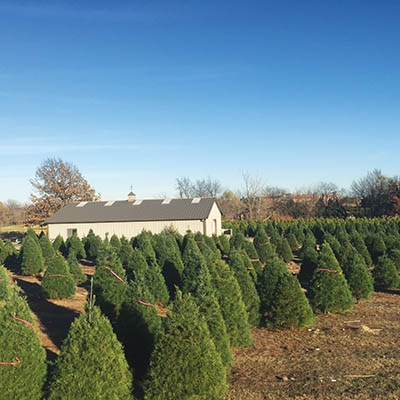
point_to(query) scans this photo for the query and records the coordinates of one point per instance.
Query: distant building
(129, 217)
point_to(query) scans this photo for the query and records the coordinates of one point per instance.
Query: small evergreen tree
(91, 364)
(57, 282)
(198, 372)
(125, 251)
(357, 275)
(284, 251)
(93, 245)
(5, 287)
(232, 307)
(24, 376)
(261, 240)
(75, 246)
(222, 243)
(32, 262)
(115, 242)
(47, 249)
(385, 274)
(59, 245)
(329, 290)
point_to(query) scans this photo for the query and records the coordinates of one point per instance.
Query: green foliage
(76, 270)
(93, 245)
(232, 307)
(75, 247)
(109, 289)
(385, 274)
(59, 245)
(47, 248)
(138, 327)
(197, 371)
(329, 290)
(284, 251)
(248, 289)
(5, 287)
(357, 275)
(308, 264)
(115, 242)
(394, 255)
(283, 303)
(125, 251)
(222, 244)
(143, 242)
(32, 261)
(376, 246)
(290, 307)
(57, 282)
(261, 241)
(17, 339)
(91, 364)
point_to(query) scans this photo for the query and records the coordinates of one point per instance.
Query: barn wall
(130, 229)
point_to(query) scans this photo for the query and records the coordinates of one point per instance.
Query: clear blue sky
(143, 92)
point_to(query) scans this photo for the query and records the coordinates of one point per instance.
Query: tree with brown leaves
(56, 184)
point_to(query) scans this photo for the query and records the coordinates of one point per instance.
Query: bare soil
(355, 355)
(349, 356)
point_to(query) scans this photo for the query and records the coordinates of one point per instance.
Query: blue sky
(144, 92)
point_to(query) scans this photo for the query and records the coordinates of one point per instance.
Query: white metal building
(129, 217)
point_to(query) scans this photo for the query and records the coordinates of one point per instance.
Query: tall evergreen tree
(138, 327)
(58, 283)
(47, 248)
(93, 245)
(109, 283)
(261, 240)
(248, 289)
(232, 307)
(329, 290)
(59, 245)
(91, 364)
(125, 251)
(75, 246)
(198, 372)
(75, 269)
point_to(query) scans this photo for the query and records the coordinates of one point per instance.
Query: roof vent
(109, 203)
(196, 200)
(166, 201)
(131, 196)
(137, 202)
(82, 203)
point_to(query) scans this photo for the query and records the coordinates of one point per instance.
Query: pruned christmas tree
(92, 363)
(329, 290)
(197, 371)
(32, 262)
(385, 274)
(58, 283)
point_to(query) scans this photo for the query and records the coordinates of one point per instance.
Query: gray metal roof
(130, 211)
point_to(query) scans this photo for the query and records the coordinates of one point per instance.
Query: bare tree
(184, 187)
(252, 194)
(202, 188)
(56, 184)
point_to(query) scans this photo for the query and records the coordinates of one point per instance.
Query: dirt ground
(347, 356)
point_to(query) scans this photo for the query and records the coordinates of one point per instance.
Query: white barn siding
(130, 229)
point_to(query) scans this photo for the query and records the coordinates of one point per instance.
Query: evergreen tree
(93, 245)
(57, 282)
(24, 376)
(357, 275)
(284, 251)
(261, 240)
(75, 246)
(91, 364)
(47, 248)
(5, 287)
(196, 279)
(115, 242)
(138, 327)
(289, 307)
(251, 251)
(376, 246)
(32, 262)
(223, 245)
(248, 289)
(59, 245)
(109, 283)
(125, 251)
(385, 274)
(394, 255)
(198, 372)
(232, 307)
(329, 290)
(76, 270)
(143, 242)
(308, 264)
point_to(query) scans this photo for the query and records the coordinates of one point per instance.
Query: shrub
(385, 274)
(32, 261)
(47, 248)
